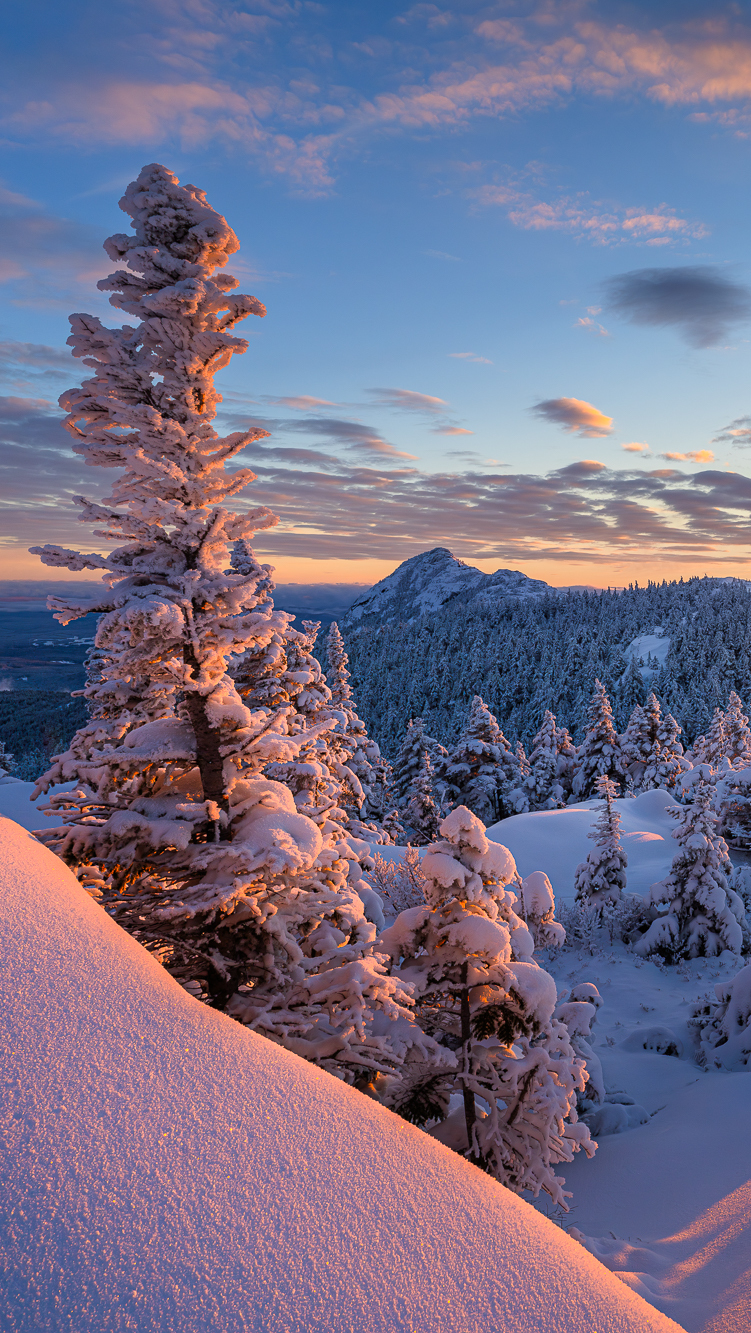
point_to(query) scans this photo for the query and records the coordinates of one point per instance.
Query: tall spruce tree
(599, 755)
(601, 879)
(207, 860)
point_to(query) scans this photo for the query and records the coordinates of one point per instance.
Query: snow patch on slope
(556, 840)
(163, 1168)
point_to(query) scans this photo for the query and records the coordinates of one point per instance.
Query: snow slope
(556, 840)
(15, 803)
(423, 583)
(165, 1171)
(667, 1203)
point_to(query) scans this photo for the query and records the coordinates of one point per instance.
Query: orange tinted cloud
(576, 416)
(693, 456)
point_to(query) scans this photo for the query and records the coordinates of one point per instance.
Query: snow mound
(163, 1168)
(556, 840)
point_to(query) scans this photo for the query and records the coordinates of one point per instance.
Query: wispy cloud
(438, 72)
(451, 430)
(409, 400)
(737, 433)
(576, 416)
(441, 254)
(302, 403)
(635, 447)
(591, 326)
(472, 357)
(360, 505)
(588, 219)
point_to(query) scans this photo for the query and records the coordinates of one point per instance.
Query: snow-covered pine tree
(541, 781)
(652, 754)
(551, 759)
(601, 879)
(490, 1008)
(599, 754)
(733, 806)
(631, 689)
(698, 913)
(409, 760)
(477, 769)
(360, 754)
(420, 813)
(737, 733)
(200, 854)
(723, 1026)
(710, 749)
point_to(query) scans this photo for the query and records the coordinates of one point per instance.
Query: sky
(503, 248)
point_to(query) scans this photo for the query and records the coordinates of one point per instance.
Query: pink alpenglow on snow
(163, 1168)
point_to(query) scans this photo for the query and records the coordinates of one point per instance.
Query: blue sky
(497, 243)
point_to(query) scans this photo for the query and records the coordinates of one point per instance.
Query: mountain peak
(428, 580)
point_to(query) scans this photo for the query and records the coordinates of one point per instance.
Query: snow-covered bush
(489, 1007)
(601, 879)
(537, 902)
(697, 911)
(723, 1026)
(247, 889)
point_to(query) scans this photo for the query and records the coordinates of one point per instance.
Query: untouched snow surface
(556, 840)
(165, 1171)
(666, 1203)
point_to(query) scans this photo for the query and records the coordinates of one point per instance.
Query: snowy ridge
(426, 581)
(164, 1169)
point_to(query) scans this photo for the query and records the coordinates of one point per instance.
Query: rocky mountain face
(429, 580)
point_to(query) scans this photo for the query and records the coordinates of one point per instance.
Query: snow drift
(556, 840)
(164, 1169)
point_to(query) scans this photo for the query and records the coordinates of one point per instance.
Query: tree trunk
(470, 1112)
(208, 757)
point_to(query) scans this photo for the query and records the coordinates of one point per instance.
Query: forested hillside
(526, 656)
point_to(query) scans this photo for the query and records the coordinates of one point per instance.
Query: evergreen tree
(548, 780)
(360, 754)
(198, 852)
(491, 1016)
(600, 753)
(652, 754)
(409, 760)
(711, 749)
(476, 770)
(419, 810)
(698, 914)
(737, 733)
(631, 689)
(601, 879)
